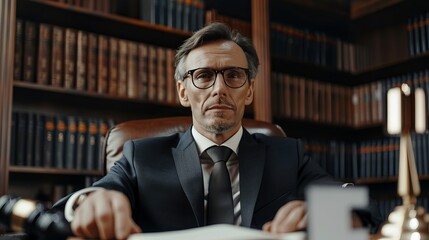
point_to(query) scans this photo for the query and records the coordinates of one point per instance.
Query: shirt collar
(203, 143)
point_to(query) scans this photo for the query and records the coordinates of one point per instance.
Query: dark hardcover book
(18, 59)
(187, 17)
(29, 140)
(38, 139)
(91, 144)
(57, 59)
(169, 76)
(48, 142)
(142, 70)
(92, 62)
(81, 60)
(103, 61)
(152, 73)
(145, 10)
(179, 14)
(423, 34)
(199, 5)
(44, 54)
(171, 13)
(70, 142)
(113, 66)
(122, 68)
(161, 75)
(132, 86)
(70, 60)
(13, 145)
(59, 134)
(20, 138)
(416, 32)
(103, 127)
(82, 129)
(30, 51)
(410, 32)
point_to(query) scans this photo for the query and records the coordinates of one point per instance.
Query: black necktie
(219, 203)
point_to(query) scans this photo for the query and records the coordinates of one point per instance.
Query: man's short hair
(214, 32)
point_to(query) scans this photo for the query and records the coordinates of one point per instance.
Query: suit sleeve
(309, 172)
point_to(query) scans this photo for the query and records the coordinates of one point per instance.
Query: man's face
(219, 109)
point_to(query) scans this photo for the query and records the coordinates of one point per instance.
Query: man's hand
(289, 218)
(104, 214)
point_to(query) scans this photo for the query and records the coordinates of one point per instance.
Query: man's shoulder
(273, 139)
(172, 138)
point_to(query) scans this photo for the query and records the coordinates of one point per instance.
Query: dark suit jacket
(162, 177)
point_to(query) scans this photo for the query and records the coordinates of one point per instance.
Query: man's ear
(250, 92)
(183, 96)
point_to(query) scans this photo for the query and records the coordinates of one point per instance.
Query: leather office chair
(122, 132)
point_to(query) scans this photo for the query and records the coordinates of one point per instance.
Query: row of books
(314, 47)
(103, 6)
(63, 142)
(187, 15)
(362, 105)
(308, 99)
(373, 158)
(75, 59)
(418, 34)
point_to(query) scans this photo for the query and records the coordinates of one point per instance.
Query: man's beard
(219, 124)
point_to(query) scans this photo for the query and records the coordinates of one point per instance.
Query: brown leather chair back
(119, 134)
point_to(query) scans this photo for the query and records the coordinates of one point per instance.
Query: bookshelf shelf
(53, 171)
(394, 68)
(309, 70)
(108, 24)
(390, 180)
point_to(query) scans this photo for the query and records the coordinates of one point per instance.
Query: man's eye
(204, 75)
(233, 74)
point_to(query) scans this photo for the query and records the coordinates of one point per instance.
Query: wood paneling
(7, 21)
(261, 40)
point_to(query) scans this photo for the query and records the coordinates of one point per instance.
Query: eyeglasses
(203, 78)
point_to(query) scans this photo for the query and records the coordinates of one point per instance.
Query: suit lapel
(251, 157)
(190, 174)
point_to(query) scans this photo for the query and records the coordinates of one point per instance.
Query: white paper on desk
(217, 232)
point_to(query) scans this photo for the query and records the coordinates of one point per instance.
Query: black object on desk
(31, 218)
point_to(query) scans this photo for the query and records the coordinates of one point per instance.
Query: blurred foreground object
(26, 216)
(406, 113)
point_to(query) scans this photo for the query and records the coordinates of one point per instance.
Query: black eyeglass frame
(216, 71)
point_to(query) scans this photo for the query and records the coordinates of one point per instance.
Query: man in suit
(162, 183)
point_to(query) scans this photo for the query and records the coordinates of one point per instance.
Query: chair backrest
(122, 132)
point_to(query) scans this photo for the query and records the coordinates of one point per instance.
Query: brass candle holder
(406, 113)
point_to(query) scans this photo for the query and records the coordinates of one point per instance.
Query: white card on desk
(218, 232)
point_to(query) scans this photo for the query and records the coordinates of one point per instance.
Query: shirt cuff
(70, 204)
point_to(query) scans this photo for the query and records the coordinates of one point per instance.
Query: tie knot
(219, 153)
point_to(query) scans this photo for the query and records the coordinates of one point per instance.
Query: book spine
(48, 141)
(19, 50)
(82, 129)
(57, 59)
(122, 63)
(38, 139)
(13, 145)
(142, 74)
(132, 86)
(91, 144)
(103, 58)
(81, 60)
(59, 136)
(70, 51)
(29, 140)
(20, 138)
(169, 76)
(113, 66)
(30, 51)
(70, 143)
(161, 77)
(152, 73)
(92, 62)
(44, 53)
